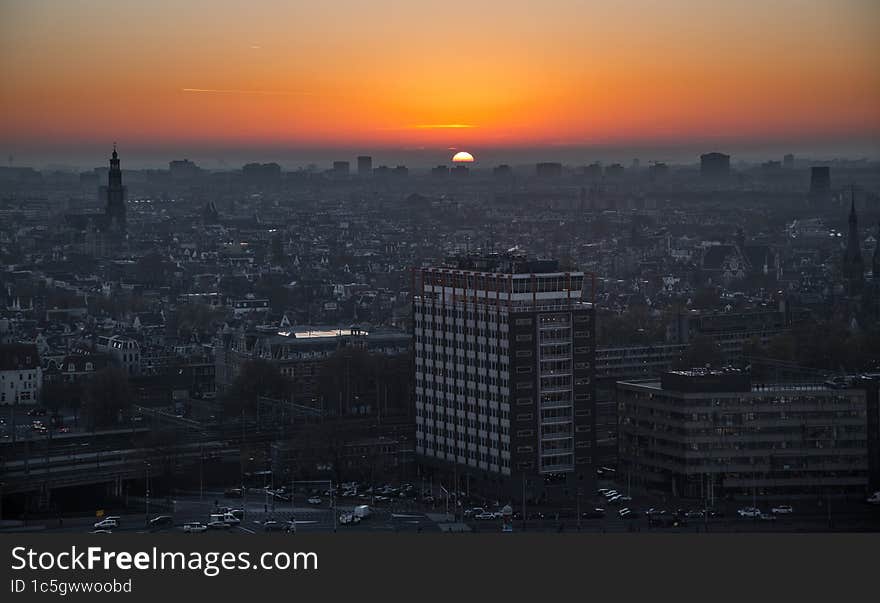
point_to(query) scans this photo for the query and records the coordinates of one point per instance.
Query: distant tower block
(365, 166)
(715, 166)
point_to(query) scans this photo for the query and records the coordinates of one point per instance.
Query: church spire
(853, 267)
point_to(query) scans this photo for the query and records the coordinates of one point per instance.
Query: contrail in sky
(236, 91)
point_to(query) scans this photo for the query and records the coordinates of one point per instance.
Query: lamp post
(147, 492)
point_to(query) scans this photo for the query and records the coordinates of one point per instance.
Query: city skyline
(573, 78)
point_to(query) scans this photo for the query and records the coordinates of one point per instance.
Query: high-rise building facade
(504, 392)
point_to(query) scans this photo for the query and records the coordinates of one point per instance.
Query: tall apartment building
(504, 392)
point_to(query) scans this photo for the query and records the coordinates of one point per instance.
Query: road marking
(246, 530)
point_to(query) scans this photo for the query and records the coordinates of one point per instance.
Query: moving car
(161, 521)
(749, 512)
(597, 513)
(314, 500)
(782, 510)
(874, 499)
(485, 515)
(105, 524)
(349, 519)
(195, 527)
(217, 524)
(100, 532)
(270, 525)
(227, 518)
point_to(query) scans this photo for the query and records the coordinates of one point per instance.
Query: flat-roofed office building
(712, 434)
(504, 354)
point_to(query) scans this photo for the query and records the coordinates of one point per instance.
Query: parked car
(232, 493)
(749, 512)
(195, 527)
(485, 515)
(782, 510)
(270, 525)
(349, 519)
(100, 532)
(161, 521)
(218, 525)
(597, 513)
(874, 499)
(767, 517)
(314, 500)
(105, 524)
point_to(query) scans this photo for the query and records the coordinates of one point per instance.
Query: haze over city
(414, 267)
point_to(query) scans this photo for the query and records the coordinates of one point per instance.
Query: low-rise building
(712, 434)
(21, 375)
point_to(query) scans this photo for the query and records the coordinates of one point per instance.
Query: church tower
(853, 267)
(116, 193)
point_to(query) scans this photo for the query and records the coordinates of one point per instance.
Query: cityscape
(433, 301)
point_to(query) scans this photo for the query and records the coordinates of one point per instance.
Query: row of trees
(103, 401)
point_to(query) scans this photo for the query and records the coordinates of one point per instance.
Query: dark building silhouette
(715, 166)
(365, 166)
(614, 171)
(441, 171)
(657, 171)
(593, 171)
(788, 161)
(459, 170)
(548, 170)
(340, 168)
(183, 169)
(853, 265)
(114, 194)
(261, 173)
(502, 171)
(820, 180)
(875, 263)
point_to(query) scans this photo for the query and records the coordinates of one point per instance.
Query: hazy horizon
(218, 158)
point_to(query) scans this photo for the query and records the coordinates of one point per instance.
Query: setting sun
(462, 157)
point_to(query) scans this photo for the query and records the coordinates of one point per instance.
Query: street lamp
(147, 492)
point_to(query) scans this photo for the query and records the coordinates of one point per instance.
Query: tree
(702, 351)
(56, 395)
(782, 347)
(107, 398)
(256, 379)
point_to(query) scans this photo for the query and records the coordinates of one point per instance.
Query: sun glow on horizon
(462, 157)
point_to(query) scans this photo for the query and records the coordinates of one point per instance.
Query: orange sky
(379, 72)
